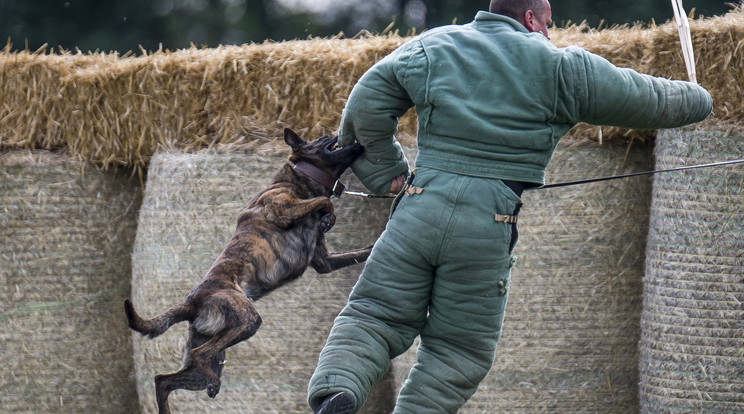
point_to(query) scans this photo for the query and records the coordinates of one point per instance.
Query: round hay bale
(572, 323)
(692, 325)
(67, 231)
(188, 215)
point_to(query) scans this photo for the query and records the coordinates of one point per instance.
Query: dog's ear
(293, 140)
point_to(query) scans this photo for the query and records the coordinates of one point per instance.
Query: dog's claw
(213, 389)
(327, 222)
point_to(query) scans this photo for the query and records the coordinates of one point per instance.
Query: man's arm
(371, 118)
(625, 98)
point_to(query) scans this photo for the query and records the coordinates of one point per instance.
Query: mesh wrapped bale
(692, 325)
(67, 231)
(572, 323)
(188, 215)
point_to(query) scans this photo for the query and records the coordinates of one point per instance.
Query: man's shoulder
(443, 30)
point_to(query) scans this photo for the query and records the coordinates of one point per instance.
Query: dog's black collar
(333, 184)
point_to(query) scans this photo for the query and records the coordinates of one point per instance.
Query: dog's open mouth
(333, 145)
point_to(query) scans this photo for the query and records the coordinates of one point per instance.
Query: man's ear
(529, 21)
(293, 140)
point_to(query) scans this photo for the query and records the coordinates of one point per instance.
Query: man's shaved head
(516, 8)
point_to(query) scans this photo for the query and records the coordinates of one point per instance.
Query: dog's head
(323, 153)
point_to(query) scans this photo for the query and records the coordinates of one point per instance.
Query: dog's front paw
(213, 387)
(327, 222)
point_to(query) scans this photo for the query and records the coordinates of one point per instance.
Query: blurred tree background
(128, 25)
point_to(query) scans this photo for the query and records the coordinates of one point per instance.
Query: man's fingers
(397, 184)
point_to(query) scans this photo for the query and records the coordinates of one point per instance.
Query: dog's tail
(159, 324)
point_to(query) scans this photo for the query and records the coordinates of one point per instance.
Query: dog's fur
(279, 234)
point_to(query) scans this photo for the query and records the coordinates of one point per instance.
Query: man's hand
(397, 184)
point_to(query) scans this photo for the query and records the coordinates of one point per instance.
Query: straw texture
(187, 217)
(574, 309)
(719, 61)
(118, 110)
(692, 338)
(67, 232)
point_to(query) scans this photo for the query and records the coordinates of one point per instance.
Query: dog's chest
(299, 241)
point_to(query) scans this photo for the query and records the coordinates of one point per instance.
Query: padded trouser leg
(441, 270)
(459, 339)
(383, 317)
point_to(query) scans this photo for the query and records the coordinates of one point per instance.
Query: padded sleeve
(371, 118)
(622, 97)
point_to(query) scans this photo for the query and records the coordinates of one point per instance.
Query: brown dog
(279, 234)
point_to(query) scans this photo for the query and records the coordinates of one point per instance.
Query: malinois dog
(279, 234)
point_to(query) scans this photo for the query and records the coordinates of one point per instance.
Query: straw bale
(118, 110)
(113, 110)
(67, 231)
(572, 323)
(32, 114)
(719, 59)
(692, 325)
(624, 46)
(188, 215)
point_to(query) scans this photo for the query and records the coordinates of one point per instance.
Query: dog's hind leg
(240, 322)
(189, 377)
(159, 324)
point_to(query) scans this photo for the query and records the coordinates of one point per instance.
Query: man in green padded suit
(493, 97)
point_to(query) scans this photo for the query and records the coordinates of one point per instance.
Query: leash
(408, 189)
(365, 195)
(589, 180)
(615, 177)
